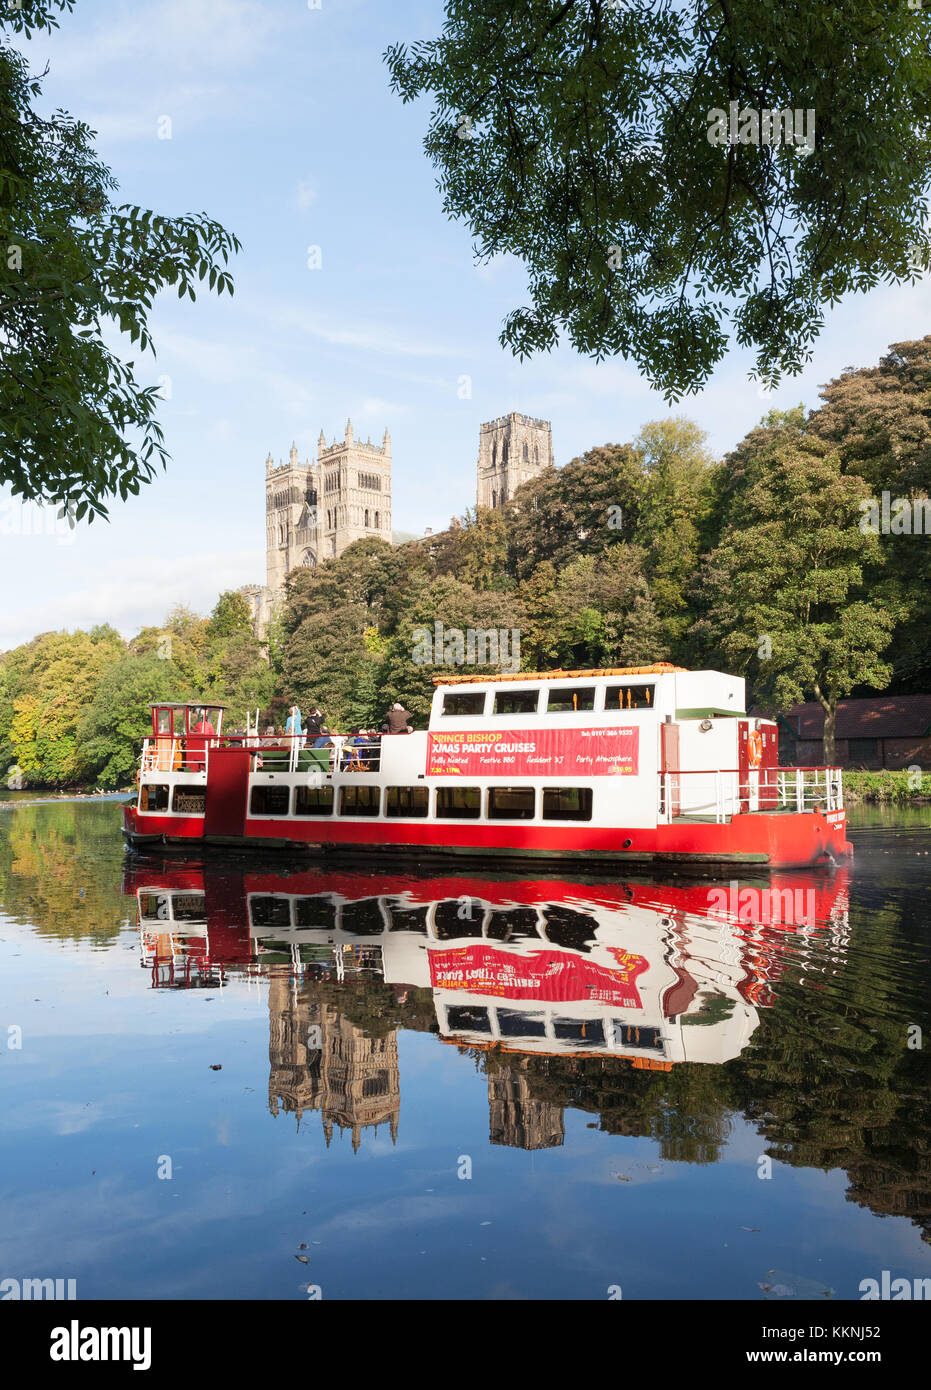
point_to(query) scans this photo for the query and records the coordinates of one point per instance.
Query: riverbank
(900, 787)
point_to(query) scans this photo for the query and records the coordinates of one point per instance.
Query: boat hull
(775, 840)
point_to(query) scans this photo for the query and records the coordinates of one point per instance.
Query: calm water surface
(474, 1086)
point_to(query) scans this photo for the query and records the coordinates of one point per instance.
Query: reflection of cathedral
(515, 1118)
(320, 1061)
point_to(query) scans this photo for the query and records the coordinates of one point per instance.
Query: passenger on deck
(355, 752)
(397, 720)
(320, 750)
(314, 721)
(293, 726)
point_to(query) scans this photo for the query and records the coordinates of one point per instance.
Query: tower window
(526, 454)
(377, 522)
(366, 516)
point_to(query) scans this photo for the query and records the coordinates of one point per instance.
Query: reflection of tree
(62, 880)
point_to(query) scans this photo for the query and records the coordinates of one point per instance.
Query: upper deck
(600, 698)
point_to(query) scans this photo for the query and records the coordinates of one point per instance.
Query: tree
(112, 729)
(784, 594)
(673, 517)
(418, 651)
(231, 614)
(879, 420)
(581, 509)
(45, 688)
(578, 136)
(598, 612)
(77, 426)
(326, 662)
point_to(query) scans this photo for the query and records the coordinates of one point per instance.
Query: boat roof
(658, 668)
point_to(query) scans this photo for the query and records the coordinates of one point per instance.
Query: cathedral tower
(354, 491)
(313, 511)
(511, 450)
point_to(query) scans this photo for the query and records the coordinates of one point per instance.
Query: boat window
(189, 907)
(567, 927)
(630, 697)
(153, 797)
(511, 803)
(455, 917)
(516, 701)
(407, 801)
(314, 801)
(567, 701)
(164, 721)
(463, 1018)
(315, 911)
(587, 1032)
(155, 907)
(363, 918)
(632, 1035)
(270, 801)
(359, 801)
(520, 921)
(459, 803)
(567, 803)
(405, 918)
(512, 1024)
(464, 702)
(269, 911)
(189, 800)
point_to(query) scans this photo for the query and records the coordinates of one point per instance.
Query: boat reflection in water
(638, 975)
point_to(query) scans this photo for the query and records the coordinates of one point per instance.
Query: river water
(248, 1079)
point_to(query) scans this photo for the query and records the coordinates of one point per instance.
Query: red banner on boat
(533, 752)
(549, 976)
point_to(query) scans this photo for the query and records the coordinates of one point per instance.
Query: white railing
(723, 793)
(271, 753)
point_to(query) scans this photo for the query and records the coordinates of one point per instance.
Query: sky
(283, 128)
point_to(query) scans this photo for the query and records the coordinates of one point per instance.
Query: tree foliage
(78, 424)
(574, 135)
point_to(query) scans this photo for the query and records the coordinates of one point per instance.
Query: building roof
(881, 716)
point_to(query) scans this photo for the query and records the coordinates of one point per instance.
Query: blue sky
(283, 128)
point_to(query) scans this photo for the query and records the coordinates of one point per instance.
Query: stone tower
(511, 450)
(313, 511)
(354, 497)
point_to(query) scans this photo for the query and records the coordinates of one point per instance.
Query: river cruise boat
(639, 765)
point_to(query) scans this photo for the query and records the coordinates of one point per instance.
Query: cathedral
(313, 511)
(511, 451)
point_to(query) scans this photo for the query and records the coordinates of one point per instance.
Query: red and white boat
(638, 765)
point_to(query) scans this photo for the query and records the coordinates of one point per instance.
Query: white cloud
(141, 596)
(306, 193)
